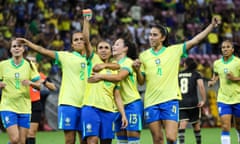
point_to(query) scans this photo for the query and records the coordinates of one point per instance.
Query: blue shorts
(11, 118)
(232, 109)
(134, 114)
(97, 122)
(69, 118)
(164, 111)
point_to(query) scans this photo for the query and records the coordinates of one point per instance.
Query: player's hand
(216, 21)
(2, 85)
(136, 65)
(211, 83)
(26, 82)
(95, 77)
(24, 41)
(124, 122)
(201, 103)
(230, 76)
(87, 14)
(98, 67)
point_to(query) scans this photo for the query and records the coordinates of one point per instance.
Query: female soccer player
(160, 67)
(190, 81)
(227, 71)
(123, 51)
(37, 105)
(74, 79)
(16, 75)
(101, 98)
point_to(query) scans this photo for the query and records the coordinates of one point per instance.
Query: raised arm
(199, 37)
(37, 48)
(87, 14)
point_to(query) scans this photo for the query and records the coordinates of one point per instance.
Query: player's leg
(170, 116)
(23, 126)
(183, 121)
(12, 122)
(225, 112)
(237, 120)
(195, 115)
(35, 120)
(197, 132)
(153, 119)
(236, 113)
(134, 113)
(156, 132)
(91, 124)
(107, 127)
(68, 121)
(121, 134)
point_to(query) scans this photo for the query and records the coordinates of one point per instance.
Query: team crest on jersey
(157, 61)
(225, 70)
(67, 121)
(89, 127)
(17, 75)
(83, 65)
(108, 71)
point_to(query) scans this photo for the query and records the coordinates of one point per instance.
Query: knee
(225, 127)
(70, 141)
(158, 139)
(92, 140)
(32, 133)
(171, 138)
(14, 139)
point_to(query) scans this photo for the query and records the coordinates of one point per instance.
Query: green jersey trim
(130, 73)
(35, 79)
(229, 60)
(17, 66)
(159, 52)
(89, 63)
(78, 54)
(122, 60)
(117, 87)
(57, 62)
(184, 55)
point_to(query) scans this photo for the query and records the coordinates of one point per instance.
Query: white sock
(225, 139)
(134, 142)
(122, 142)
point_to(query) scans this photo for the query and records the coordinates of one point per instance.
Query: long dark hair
(163, 30)
(191, 64)
(132, 49)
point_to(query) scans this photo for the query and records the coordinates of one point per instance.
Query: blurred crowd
(50, 23)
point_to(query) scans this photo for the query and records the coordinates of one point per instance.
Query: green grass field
(209, 136)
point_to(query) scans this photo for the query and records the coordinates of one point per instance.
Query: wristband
(87, 12)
